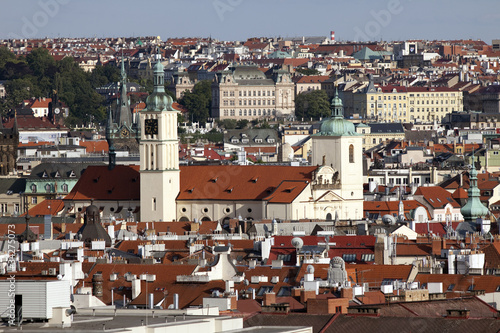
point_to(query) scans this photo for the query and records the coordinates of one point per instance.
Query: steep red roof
(287, 191)
(436, 196)
(30, 122)
(460, 193)
(100, 183)
(46, 207)
(232, 182)
(95, 146)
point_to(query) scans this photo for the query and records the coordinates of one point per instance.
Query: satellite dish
(389, 219)
(297, 243)
(310, 269)
(246, 282)
(59, 276)
(57, 110)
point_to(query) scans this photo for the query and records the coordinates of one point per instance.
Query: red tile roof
(237, 182)
(95, 146)
(42, 209)
(437, 196)
(100, 183)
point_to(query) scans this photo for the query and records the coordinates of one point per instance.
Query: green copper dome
(336, 125)
(474, 208)
(159, 100)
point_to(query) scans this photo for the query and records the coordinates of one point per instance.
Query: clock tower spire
(159, 151)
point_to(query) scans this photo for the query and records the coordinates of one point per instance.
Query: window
(47, 188)
(154, 203)
(34, 200)
(33, 188)
(450, 287)
(349, 257)
(471, 287)
(351, 153)
(368, 257)
(264, 289)
(284, 291)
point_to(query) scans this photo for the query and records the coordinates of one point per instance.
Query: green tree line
(39, 75)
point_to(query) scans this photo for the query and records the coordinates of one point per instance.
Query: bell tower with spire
(122, 133)
(159, 151)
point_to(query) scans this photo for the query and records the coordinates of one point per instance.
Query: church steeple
(337, 106)
(111, 149)
(124, 116)
(474, 208)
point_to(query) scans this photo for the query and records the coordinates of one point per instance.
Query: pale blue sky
(240, 19)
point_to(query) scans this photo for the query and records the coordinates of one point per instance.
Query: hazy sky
(240, 19)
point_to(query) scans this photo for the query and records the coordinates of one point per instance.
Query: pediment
(329, 196)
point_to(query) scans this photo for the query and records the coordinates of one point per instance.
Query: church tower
(159, 151)
(338, 146)
(122, 133)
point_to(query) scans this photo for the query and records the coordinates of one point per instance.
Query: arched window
(351, 153)
(47, 188)
(329, 217)
(33, 188)
(64, 187)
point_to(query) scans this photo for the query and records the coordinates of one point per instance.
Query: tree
(198, 102)
(227, 123)
(312, 104)
(307, 71)
(242, 124)
(41, 62)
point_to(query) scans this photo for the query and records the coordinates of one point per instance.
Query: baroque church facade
(160, 190)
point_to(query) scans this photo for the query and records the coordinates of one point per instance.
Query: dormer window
(258, 140)
(57, 175)
(72, 174)
(234, 140)
(48, 188)
(33, 188)
(270, 140)
(244, 140)
(45, 174)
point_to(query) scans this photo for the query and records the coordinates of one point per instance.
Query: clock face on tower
(151, 126)
(124, 132)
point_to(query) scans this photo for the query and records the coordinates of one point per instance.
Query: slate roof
(387, 128)
(64, 170)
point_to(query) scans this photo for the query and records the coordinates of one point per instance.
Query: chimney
(269, 299)
(346, 293)
(457, 314)
(436, 245)
(307, 294)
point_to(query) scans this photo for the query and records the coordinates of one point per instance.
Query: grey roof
(420, 135)
(64, 170)
(386, 128)
(12, 185)
(252, 135)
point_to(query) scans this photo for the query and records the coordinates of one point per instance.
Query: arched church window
(351, 153)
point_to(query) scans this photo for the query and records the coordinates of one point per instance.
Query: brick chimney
(436, 245)
(346, 293)
(269, 298)
(307, 294)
